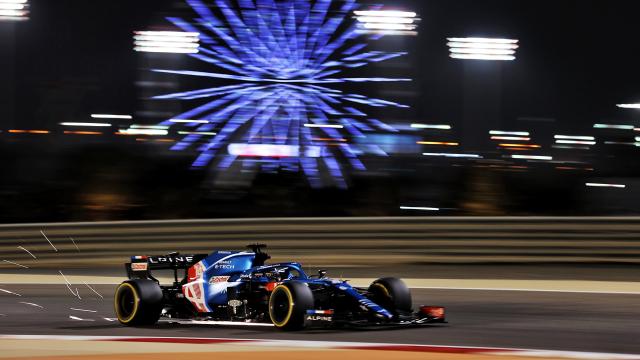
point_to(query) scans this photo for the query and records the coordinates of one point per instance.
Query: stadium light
(629, 106)
(169, 42)
(473, 48)
(387, 22)
(14, 10)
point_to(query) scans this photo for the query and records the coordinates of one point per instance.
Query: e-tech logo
(224, 265)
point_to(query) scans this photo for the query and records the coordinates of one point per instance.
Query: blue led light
(280, 56)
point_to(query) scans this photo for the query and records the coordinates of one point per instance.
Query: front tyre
(392, 294)
(288, 305)
(138, 302)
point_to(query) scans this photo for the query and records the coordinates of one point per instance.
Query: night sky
(577, 58)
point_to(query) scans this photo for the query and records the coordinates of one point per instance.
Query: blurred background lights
(14, 10)
(387, 22)
(472, 48)
(171, 42)
(629, 106)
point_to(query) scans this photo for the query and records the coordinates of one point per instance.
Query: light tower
(482, 110)
(11, 11)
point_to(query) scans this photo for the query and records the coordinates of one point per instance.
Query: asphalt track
(515, 319)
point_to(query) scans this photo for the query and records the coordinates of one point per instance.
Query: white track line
(529, 290)
(347, 345)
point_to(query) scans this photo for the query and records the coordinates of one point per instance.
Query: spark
(74, 244)
(83, 310)
(10, 292)
(92, 289)
(76, 293)
(79, 319)
(50, 243)
(28, 252)
(32, 304)
(16, 264)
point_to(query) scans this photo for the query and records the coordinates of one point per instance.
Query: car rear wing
(140, 266)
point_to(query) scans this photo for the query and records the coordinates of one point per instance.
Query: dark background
(577, 60)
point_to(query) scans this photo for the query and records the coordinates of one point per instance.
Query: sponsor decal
(139, 266)
(319, 318)
(224, 265)
(218, 279)
(170, 260)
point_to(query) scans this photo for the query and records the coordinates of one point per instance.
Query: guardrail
(332, 241)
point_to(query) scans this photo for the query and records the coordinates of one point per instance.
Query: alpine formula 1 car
(238, 287)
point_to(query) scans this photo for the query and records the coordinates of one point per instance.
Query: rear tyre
(392, 294)
(288, 305)
(138, 302)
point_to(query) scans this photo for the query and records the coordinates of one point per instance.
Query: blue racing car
(238, 287)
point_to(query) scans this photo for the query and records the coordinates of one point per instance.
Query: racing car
(239, 287)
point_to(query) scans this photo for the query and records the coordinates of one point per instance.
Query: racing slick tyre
(288, 305)
(392, 294)
(138, 302)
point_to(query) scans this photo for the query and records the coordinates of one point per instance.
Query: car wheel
(392, 294)
(288, 305)
(138, 302)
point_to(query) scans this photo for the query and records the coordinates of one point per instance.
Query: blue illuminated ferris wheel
(281, 61)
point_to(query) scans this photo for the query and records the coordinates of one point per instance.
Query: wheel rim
(280, 306)
(126, 303)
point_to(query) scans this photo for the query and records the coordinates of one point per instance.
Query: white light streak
(385, 19)
(187, 121)
(575, 142)
(629, 106)
(150, 132)
(202, 133)
(571, 137)
(175, 42)
(491, 49)
(509, 133)
(428, 126)
(532, 157)
(419, 208)
(482, 51)
(111, 116)
(449, 155)
(510, 138)
(616, 127)
(385, 26)
(387, 13)
(324, 126)
(483, 57)
(86, 124)
(617, 186)
(484, 40)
